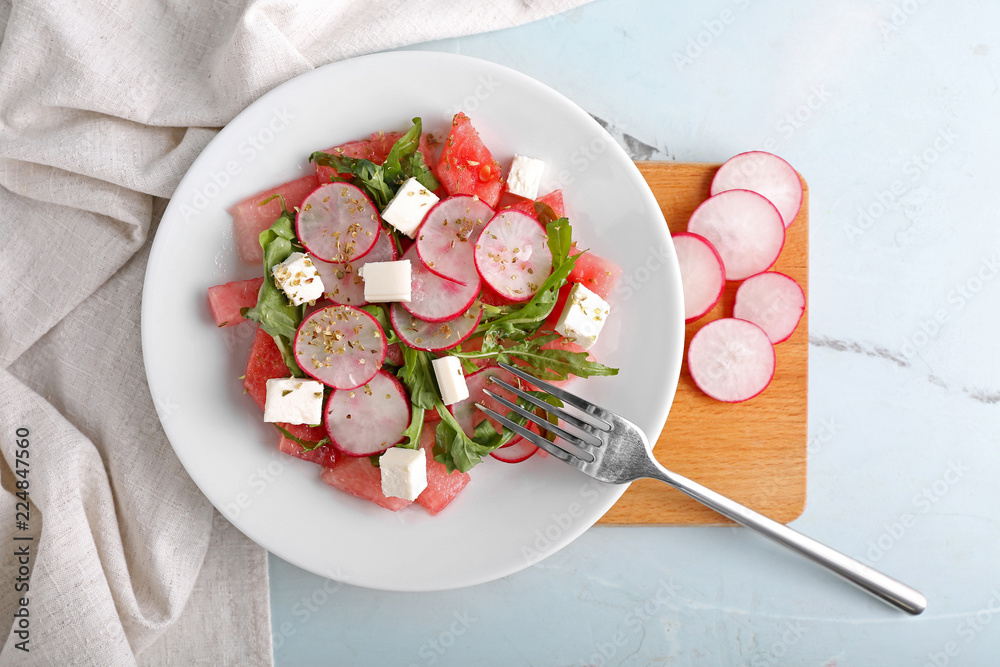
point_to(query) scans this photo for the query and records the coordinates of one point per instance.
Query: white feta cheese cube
(525, 176)
(294, 400)
(386, 281)
(583, 316)
(407, 209)
(404, 472)
(450, 379)
(298, 278)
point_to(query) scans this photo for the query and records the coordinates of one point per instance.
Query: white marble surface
(891, 111)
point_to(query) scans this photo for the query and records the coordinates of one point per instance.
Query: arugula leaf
(418, 376)
(415, 429)
(367, 175)
(551, 364)
(452, 447)
(307, 445)
(380, 182)
(457, 451)
(418, 169)
(560, 236)
(273, 312)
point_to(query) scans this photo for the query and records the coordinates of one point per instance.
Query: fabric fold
(103, 108)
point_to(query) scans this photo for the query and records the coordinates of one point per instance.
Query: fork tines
(586, 437)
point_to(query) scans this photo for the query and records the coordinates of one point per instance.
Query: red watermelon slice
(250, 218)
(358, 477)
(265, 362)
(527, 206)
(466, 166)
(376, 148)
(226, 300)
(595, 273)
(441, 487)
(325, 456)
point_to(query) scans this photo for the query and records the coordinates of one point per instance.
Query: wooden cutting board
(753, 452)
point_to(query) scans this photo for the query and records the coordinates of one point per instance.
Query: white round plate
(509, 516)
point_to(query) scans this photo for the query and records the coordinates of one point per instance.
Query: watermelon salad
(395, 278)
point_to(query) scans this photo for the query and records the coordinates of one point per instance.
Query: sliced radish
(744, 227)
(434, 336)
(447, 235)
(731, 360)
(433, 298)
(515, 452)
(341, 346)
(772, 301)
(765, 174)
(513, 256)
(703, 276)
(341, 281)
(337, 223)
(466, 413)
(369, 419)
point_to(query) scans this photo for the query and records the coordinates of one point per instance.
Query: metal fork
(612, 449)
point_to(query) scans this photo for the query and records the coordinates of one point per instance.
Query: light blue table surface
(891, 111)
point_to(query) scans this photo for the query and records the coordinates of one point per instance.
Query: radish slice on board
(703, 276)
(731, 360)
(434, 336)
(513, 256)
(447, 235)
(369, 419)
(337, 223)
(433, 298)
(745, 229)
(466, 413)
(341, 346)
(767, 175)
(772, 301)
(515, 452)
(341, 282)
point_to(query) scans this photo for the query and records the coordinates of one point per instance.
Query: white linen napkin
(103, 106)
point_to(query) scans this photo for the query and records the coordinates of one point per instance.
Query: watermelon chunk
(226, 300)
(376, 148)
(527, 206)
(466, 166)
(265, 363)
(358, 477)
(441, 487)
(550, 321)
(594, 272)
(491, 297)
(326, 456)
(250, 218)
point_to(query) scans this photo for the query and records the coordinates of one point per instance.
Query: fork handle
(868, 579)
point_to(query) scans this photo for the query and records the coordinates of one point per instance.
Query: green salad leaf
(457, 451)
(413, 432)
(380, 182)
(417, 375)
(273, 312)
(551, 364)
